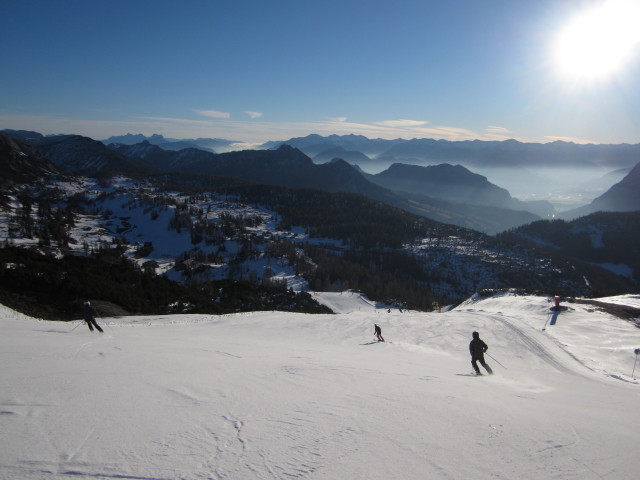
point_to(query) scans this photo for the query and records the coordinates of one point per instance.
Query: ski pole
(75, 327)
(548, 314)
(497, 362)
(637, 352)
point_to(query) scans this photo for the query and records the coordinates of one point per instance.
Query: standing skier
(477, 348)
(90, 316)
(378, 333)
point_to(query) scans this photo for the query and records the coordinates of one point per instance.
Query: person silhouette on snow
(90, 316)
(378, 331)
(477, 348)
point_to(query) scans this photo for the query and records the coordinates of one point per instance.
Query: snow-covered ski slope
(275, 395)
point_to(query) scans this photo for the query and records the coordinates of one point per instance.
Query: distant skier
(477, 348)
(90, 316)
(378, 332)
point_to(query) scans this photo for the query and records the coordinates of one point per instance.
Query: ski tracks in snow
(531, 344)
(307, 441)
(269, 442)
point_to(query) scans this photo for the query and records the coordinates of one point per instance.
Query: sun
(599, 42)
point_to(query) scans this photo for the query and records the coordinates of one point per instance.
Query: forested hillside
(606, 238)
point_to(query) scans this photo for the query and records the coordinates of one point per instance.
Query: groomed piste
(273, 395)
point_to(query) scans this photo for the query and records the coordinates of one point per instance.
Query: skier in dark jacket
(477, 348)
(378, 331)
(90, 316)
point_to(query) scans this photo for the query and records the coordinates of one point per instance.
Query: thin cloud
(337, 119)
(253, 115)
(213, 113)
(175, 120)
(496, 133)
(496, 129)
(402, 123)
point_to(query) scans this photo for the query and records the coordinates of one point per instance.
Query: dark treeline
(383, 278)
(54, 289)
(391, 276)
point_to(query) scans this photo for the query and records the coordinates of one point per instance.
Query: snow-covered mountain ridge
(276, 395)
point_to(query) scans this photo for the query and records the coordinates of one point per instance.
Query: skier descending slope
(477, 348)
(90, 316)
(378, 331)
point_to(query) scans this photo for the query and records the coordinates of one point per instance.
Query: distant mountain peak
(132, 139)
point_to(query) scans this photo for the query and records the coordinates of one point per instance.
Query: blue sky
(274, 69)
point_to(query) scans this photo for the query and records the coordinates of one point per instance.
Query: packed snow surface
(274, 395)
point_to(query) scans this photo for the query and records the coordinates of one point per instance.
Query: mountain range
(445, 192)
(333, 223)
(506, 153)
(520, 159)
(286, 166)
(358, 149)
(207, 144)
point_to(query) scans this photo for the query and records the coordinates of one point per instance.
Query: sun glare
(599, 42)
